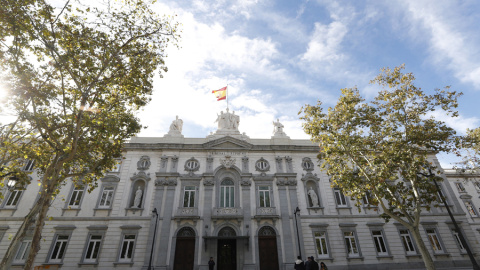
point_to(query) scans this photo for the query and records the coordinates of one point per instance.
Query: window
(460, 187)
(107, 197)
(92, 248)
(192, 165)
(126, 251)
(366, 199)
(321, 244)
(227, 193)
(471, 209)
(118, 164)
(434, 241)
(351, 244)
(407, 242)
(264, 196)
(22, 252)
(457, 239)
(59, 247)
(29, 165)
(262, 165)
(13, 198)
(340, 198)
(477, 186)
(379, 241)
(76, 197)
(189, 196)
(441, 194)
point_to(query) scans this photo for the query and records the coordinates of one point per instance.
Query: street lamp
(153, 242)
(297, 210)
(12, 182)
(460, 234)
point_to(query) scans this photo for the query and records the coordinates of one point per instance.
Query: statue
(313, 197)
(278, 127)
(177, 124)
(176, 127)
(138, 198)
(228, 121)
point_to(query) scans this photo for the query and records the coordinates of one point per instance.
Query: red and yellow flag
(220, 94)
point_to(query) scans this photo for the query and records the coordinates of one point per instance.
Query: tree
(76, 77)
(384, 148)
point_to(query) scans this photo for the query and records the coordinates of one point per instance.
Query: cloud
(460, 123)
(325, 43)
(451, 40)
(208, 59)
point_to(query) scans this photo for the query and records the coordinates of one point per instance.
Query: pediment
(227, 143)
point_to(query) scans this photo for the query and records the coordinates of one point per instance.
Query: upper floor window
(307, 164)
(471, 209)
(118, 164)
(264, 196)
(321, 244)
(434, 241)
(127, 248)
(13, 197)
(29, 164)
(440, 195)
(107, 197)
(22, 252)
(76, 197)
(340, 198)
(192, 165)
(92, 248)
(407, 242)
(227, 191)
(189, 196)
(379, 241)
(351, 244)
(460, 187)
(59, 247)
(262, 165)
(477, 186)
(457, 239)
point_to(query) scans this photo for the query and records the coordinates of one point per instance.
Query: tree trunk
(39, 224)
(427, 258)
(18, 237)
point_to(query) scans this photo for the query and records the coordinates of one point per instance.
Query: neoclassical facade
(229, 197)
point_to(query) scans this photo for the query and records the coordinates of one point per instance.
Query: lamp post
(460, 234)
(297, 210)
(153, 242)
(12, 182)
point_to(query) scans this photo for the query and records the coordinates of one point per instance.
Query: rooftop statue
(228, 123)
(176, 128)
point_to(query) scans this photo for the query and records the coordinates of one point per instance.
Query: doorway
(267, 248)
(185, 250)
(227, 254)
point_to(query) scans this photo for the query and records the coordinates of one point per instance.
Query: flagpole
(227, 96)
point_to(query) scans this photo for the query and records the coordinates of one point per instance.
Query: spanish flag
(221, 93)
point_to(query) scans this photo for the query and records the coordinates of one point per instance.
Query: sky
(277, 56)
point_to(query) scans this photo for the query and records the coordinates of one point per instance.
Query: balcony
(227, 213)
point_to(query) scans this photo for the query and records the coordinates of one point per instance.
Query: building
(226, 196)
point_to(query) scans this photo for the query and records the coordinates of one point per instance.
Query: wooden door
(267, 248)
(184, 253)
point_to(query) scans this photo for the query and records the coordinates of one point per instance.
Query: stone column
(207, 220)
(163, 236)
(286, 220)
(247, 218)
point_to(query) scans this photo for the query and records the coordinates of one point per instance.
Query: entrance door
(227, 254)
(185, 250)
(267, 247)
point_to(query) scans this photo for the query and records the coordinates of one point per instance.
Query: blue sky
(279, 55)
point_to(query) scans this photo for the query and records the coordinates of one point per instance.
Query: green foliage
(76, 77)
(385, 147)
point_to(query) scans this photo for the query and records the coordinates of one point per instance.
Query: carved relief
(228, 162)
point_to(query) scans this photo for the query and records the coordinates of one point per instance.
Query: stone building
(227, 196)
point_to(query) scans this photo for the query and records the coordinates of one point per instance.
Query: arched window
(227, 232)
(186, 232)
(227, 191)
(266, 231)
